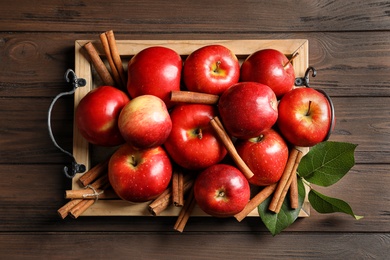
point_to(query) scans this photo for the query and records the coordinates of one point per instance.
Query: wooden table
(349, 45)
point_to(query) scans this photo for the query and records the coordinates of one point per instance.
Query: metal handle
(304, 81)
(70, 77)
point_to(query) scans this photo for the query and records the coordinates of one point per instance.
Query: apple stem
(308, 110)
(133, 161)
(221, 194)
(291, 59)
(259, 138)
(217, 66)
(199, 133)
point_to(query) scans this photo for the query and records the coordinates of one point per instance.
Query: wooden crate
(127, 48)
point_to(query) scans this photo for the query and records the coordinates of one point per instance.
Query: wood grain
(349, 43)
(365, 71)
(175, 246)
(34, 209)
(200, 17)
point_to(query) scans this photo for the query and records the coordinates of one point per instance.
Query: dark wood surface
(349, 45)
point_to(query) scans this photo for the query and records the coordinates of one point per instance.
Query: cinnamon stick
(80, 208)
(165, 199)
(161, 202)
(116, 56)
(64, 210)
(194, 97)
(225, 139)
(294, 192)
(107, 51)
(285, 181)
(90, 194)
(284, 193)
(185, 212)
(98, 64)
(177, 188)
(94, 173)
(256, 201)
(74, 209)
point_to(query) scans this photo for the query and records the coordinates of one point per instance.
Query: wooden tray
(84, 153)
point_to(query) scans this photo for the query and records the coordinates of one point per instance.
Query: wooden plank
(194, 17)
(360, 120)
(198, 245)
(31, 195)
(347, 65)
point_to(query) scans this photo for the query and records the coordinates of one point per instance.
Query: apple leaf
(325, 204)
(327, 162)
(276, 222)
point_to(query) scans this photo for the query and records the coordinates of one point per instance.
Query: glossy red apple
(247, 109)
(145, 122)
(266, 155)
(221, 190)
(96, 115)
(139, 175)
(192, 143)
(211, 69)
(304, 117)
(155, 71)
(269, 67)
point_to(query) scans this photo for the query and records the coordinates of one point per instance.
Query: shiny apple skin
(299, 127)
(247, 109)
(145, 122)
(145, 180)
(221, 190)
(155, 71)
(211, 69)
(269, 67)
(265, 155)
(97, 114)
(185, 146)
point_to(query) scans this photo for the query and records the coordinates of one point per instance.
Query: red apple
(221, 190)
(211, 69)
(304, 117)
(145, 122)
(155, 71)
(192, 143)
(139, 175)
(266, 155)
(97, 113)
(247, 109)
(269, 67)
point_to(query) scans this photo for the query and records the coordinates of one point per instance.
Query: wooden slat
(346, 63)
(25, 138)
(194, 246)
(195, 17)
(31, 194)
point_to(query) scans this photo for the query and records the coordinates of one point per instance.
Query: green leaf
(327, 162)
(276, 222)
(325, 204)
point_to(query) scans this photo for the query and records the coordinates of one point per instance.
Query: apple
(247, 109)
(96, 115)
(211, 69)
(269, 67)
(139, 175)
(266, 155)
(192, 142)
(304, 117)
(155, 71)
(221, 190)
(145, 122)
